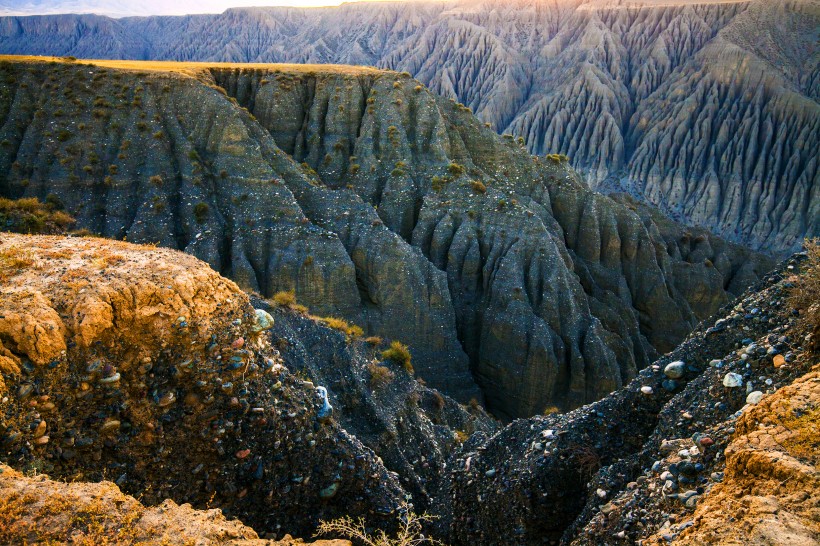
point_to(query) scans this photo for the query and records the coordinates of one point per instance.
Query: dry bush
(30, 216)
(400, 354)
(478, 186)
(373, 340)
(13, 260)
(379, 375)
(342, 325)
(410, 532)
(285, 298)
(805, 295)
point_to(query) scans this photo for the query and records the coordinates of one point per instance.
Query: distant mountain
(708, 109)
(378, 202)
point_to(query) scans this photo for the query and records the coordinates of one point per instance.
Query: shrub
(410, 530)
(400, 354)
(379, 375)
(456, 169)
(551, 410)
(478, 186)
(201, 212)
(354, 169)
(29, 215)
(342, 325)
(156, 180)
(373, 340)
(285, 298)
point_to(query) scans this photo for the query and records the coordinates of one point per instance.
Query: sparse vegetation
(455, 169)
(478, 186)
(379, 375)
(400, 354)
(29, 215)
(410, 530)
(342, 325)
(201, 212)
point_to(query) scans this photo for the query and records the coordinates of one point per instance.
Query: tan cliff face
(378, 202)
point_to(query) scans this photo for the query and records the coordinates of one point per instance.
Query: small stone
(167, 399)
(238, 343)
(243, 453)
(490, 473)
(732, 380)
(754, 397)
(262, 321)
(646, 389)
(706, 441)
(329, 491)
(669, 385)
(25, 391)
(41, 429)
(674, 370)
(779, 361)
(716, 363)
(42, 440)
(110, 426)
(601, 493)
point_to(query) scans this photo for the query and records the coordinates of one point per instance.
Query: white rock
(732, 380)
(754, 397)
(646, 389)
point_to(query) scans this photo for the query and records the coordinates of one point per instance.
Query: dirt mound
(37, 509)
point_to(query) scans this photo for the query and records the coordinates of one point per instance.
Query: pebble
(110, 426)
(601, 493)
(754, 397)
(242, 453)
(646, 389)
(329, 491)
(262, 321)
(674, 370)
(706, 441)
(167, 399)
(779, 361)
(732, 380)
(490, 473)
(41, 429)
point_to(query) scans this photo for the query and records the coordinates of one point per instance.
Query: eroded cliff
(376, 201)
(707, 109)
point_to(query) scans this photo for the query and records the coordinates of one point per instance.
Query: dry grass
(195, 69)
(379, 375)
(400, 354)
(14, 260)
(806, 294)
(410, 532)
(30, 216)
(341, 325)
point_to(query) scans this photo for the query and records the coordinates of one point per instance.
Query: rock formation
(144, 366)
(37, 509)
(377, 202)
(710, 432)
(706, 109)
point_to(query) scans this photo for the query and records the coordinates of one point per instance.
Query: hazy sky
(120, 8)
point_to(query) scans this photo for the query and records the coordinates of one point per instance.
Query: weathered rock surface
(126, 363)
(378, 202)
(706, 109)
(637, 464)
(37, 510)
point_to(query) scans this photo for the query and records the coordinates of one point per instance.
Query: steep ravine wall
(378, 202)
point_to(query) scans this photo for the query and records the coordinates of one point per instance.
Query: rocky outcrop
(145, 366)
(377, 202)
(37, 509)
(706, 109)
(694, 430)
